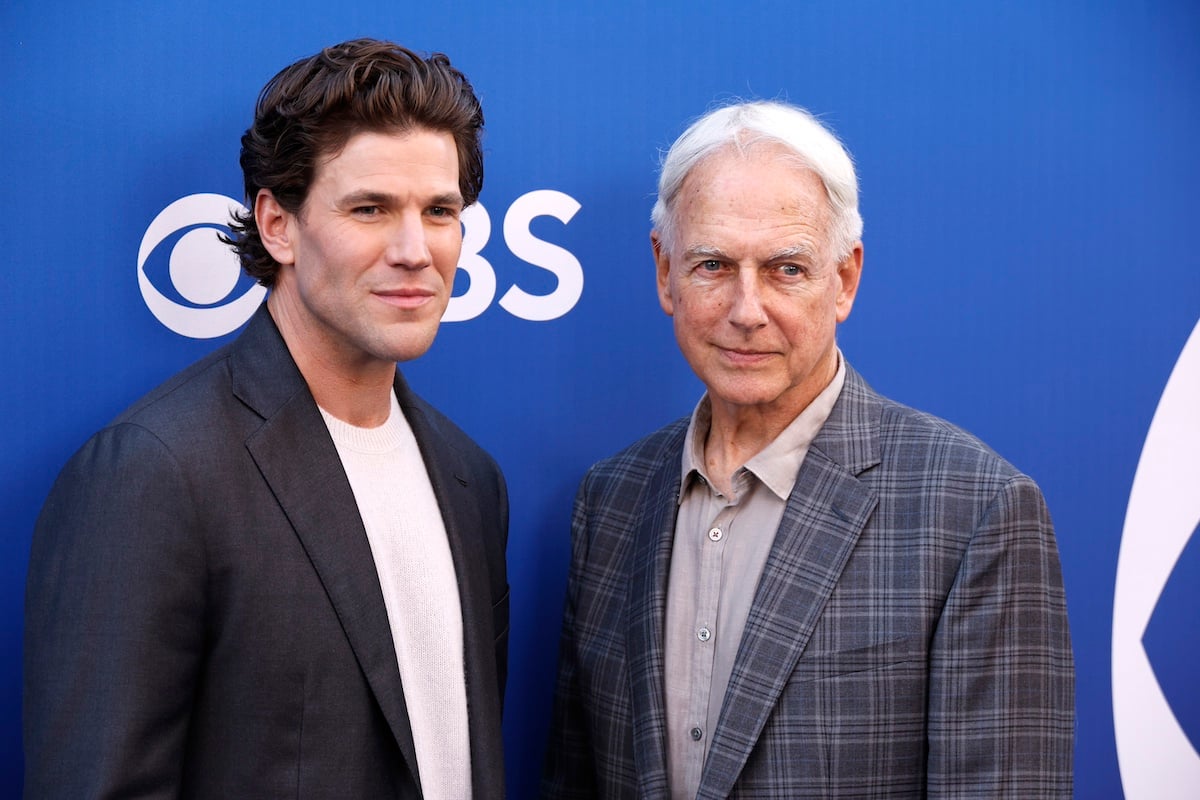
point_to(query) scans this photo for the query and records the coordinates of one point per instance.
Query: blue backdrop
(1028, 184)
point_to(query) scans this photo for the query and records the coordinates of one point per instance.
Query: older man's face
(751, 281)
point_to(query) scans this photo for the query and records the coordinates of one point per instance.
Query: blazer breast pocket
(906, 654)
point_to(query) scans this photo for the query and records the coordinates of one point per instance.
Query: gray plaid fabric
(908, 636)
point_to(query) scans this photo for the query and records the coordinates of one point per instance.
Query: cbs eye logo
(203, 271)
(1156, 758)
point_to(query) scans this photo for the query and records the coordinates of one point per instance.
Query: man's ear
(275, 227)
(849, 272)
(662, 266)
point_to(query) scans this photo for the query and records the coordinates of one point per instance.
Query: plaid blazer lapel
(825, 514)
(654, 532)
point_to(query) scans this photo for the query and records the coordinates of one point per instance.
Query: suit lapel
(298, 460)
(448, 474)
(654, 533)
(824, 517)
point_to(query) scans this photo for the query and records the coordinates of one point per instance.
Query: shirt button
(697, 734)
(704, 634)
(715, 534)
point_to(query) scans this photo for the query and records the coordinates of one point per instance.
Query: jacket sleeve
(1002, 681)
(569, 772)
(114, 625)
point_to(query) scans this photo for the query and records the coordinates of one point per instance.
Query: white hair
(748, 123)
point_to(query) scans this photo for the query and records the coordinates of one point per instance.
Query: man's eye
(366, 211)
(440, 211)
(710, 265)
(791, 270)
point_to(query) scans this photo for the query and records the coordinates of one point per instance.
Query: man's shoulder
(194, 389)
(917, 440)
(645, 456)
(162, 437)
(177, 422)
(901, 422)
(252, 373)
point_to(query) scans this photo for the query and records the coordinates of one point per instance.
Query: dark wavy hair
(311, 109)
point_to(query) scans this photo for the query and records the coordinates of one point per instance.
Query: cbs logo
(1156, 757)
(205, 273)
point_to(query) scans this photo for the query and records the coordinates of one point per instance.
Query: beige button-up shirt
(721, 545)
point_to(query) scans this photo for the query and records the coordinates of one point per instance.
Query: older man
(282, 573)
(804, 589)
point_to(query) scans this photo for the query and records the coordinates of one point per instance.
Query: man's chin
(410, 344)
(747, 394)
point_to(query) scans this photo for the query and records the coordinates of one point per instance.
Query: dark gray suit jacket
(203, 614)
(908, 636)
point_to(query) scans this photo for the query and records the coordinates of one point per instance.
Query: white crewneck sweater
(420, 591)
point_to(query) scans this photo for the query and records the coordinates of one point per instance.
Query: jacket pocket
(838, 663)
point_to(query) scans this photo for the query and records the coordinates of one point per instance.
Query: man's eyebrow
(453, 199)
(705, 251)
(375, 198)
(368, 197)
(801, 251)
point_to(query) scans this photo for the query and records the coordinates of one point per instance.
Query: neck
(357, 392)
(733, 439)
(738, 432)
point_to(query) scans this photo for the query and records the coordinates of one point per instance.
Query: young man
(282, 573)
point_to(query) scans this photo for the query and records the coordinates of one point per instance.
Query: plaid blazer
(908, 636)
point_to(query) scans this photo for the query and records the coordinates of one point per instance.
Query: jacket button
(697, 734)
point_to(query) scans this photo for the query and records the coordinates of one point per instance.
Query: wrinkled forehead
(759, 170)
(761, 197)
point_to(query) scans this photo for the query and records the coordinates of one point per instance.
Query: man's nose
(747, 309)
(408, 245)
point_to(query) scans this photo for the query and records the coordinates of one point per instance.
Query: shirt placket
(704, 632)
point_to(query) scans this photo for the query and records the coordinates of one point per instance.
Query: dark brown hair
(311, 109)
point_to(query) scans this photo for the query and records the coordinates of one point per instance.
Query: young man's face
(368, 263)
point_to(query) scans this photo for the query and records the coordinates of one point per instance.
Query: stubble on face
(368, 264)
(375, 248)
